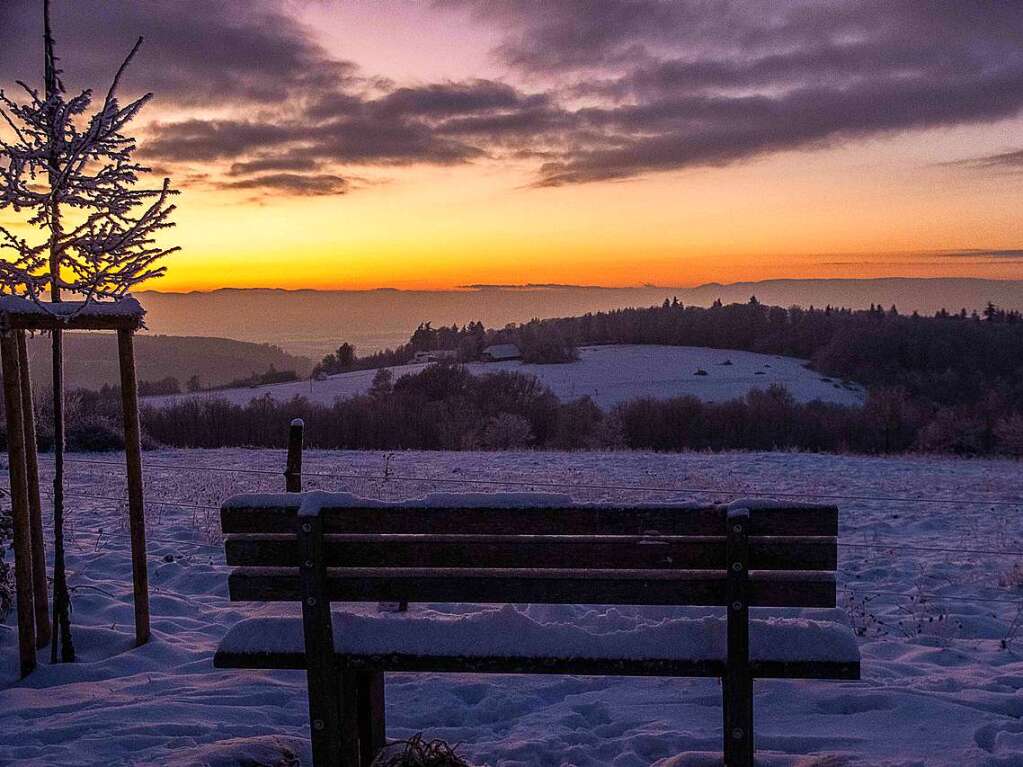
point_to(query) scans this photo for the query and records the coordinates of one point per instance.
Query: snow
(122, 307)
(311, 502)
(608, 374)
(942, 675)
(507, 632)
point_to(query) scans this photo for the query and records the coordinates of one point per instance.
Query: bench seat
(793, 644)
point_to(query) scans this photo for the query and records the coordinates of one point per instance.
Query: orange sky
(879, 208)
(896, 196)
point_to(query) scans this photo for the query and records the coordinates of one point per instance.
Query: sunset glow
(475, 159)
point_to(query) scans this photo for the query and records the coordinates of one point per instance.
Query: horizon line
(525, 287)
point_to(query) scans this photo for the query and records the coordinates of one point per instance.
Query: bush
(168, 385)
(581, 426)
(415, 752)
(6, 568)
(1009, 432)
(94, 435)
(505, 432)
(952, 432)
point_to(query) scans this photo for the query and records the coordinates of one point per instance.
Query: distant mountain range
(312, 322)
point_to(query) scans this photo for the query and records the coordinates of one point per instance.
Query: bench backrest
(778, 556)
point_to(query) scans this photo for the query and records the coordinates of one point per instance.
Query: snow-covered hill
(608, 374)
(939, 618)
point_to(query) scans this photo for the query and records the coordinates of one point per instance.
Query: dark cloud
(196, 51)
(442, 124)
(618, 88)
(295, 184)
(1009, 161)
(203, 140)
(359, 140)
(282, 163)
(687, 83)
(455, 98)
(1006, 253)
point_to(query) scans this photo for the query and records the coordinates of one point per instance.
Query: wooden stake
(35, 508)
(19, 503)
(133, 461)
(62, 646)
(293, 471)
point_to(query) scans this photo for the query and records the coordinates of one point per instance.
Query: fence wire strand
(801, 495)
(99, 534)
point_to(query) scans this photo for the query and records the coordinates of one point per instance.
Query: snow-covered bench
(503, 550)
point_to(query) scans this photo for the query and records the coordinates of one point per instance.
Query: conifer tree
(70, 169)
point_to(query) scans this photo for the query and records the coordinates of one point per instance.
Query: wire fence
(538, 482)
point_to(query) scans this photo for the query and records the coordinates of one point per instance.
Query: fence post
(293, 470)
(19, 503)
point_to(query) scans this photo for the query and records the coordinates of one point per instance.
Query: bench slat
(565, 586)
(606, 551)
(574, 520)
(578, 666)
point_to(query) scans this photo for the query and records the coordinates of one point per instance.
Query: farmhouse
(501, 352)
(437, 355)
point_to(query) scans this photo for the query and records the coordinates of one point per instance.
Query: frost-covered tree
(68, 166)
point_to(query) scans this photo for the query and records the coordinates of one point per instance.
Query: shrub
(505, 432)
(94, 435)
(1009, 432)
(580, 426)
(416, 752)
(6, 570)
(168, 385)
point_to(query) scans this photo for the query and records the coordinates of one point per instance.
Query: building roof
(503, 352)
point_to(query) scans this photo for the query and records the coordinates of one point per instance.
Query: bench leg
(737, 684)
(324, 731)
(348, 720)
(372, 721)
(737, 699)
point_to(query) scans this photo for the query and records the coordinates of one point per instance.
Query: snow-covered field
(942, 675)
(608, 374)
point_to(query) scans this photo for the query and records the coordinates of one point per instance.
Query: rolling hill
(607, 374)
(91, 359)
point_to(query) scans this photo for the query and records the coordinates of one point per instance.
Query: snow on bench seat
(312, 501)
(783, 643)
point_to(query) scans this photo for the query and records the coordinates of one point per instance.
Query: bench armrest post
(322, 674)
(737, 684)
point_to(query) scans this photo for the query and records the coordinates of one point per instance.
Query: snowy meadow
(609, 375)
(931, 574)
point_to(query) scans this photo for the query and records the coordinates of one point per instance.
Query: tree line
(952, 383)
(539, 342)
(444, 407)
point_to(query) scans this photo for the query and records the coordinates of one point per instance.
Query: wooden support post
(737, 685)
(19, 503)
(133, 461)
(35, 507)
(293, 471)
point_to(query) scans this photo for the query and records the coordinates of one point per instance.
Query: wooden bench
(319, 548)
